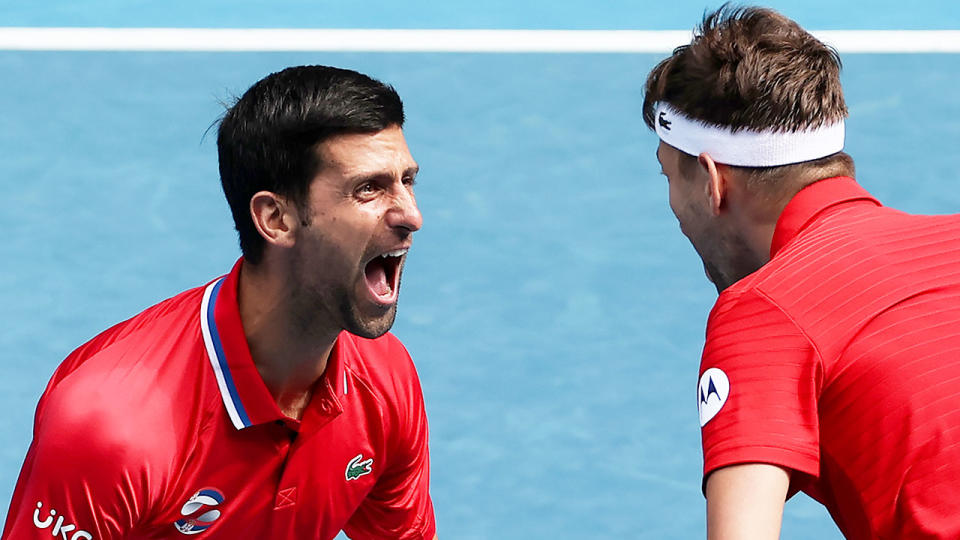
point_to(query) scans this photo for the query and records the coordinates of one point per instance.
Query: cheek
(324, 250)
(690, 222)
(347, 229)
(676, 202)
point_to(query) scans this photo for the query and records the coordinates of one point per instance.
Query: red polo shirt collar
(245, 396)
(812, 201)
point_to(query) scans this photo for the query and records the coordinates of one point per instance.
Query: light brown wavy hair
(753, 68)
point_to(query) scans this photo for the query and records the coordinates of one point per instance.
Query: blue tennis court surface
(552, 306)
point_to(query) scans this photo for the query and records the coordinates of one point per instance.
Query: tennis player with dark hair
(272, 402)
(832, 355)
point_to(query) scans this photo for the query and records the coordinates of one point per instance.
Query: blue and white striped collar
(218, 359)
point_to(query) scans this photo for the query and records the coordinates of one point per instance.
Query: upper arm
(399, 505)
(746, 501)
(759, 388)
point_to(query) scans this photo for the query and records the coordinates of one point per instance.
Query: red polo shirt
(161, 427)
(840, 360)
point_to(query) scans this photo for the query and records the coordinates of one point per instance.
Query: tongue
(376, 276)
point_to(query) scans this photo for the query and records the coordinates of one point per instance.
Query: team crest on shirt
(712, 393)
(358, 467)
(199, 512)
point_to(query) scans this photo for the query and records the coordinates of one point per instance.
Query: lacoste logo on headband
(664, 123)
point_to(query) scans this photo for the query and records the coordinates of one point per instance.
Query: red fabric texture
(133, 426)
(843, 360)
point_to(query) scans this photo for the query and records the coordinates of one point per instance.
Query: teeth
(397, 253)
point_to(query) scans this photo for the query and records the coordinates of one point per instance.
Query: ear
(274, 217)
(718, 176)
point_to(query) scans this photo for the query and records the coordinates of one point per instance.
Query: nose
(404, 214)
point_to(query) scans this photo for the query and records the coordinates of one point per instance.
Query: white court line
(480, 41)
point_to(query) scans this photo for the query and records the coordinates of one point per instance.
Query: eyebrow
(363, 177)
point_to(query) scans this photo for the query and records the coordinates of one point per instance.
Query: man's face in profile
(361, 214)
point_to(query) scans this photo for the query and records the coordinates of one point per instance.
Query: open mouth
(383, 276)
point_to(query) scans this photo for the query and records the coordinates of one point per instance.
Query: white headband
(746, 148)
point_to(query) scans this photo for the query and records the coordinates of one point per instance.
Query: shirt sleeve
(759, 382)
(399, 506)
(78, 481)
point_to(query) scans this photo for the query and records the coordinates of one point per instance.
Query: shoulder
(855, 245)
(384, 374)
(386, 348)
(115, 437)
(747, 325)
(125, 391)
(742, 314)
(797, 277)
(89, 425)
(380, 359)
(384, 367)
(846, 267)
(166, 321)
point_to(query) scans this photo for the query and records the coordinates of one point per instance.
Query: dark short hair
(268, 139)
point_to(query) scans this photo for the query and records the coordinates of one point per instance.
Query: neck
(758, 236)
(760, 209)
(747, 226)
(290, 355)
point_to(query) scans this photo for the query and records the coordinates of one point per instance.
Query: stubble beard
(353, 319)
(356, 323)
(333, 306)
(337, 308)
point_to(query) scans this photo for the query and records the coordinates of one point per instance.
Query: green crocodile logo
(359, 467)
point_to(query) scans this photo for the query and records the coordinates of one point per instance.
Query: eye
(366, 189)
(409, 181)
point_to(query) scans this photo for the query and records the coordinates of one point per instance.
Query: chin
(372, 327)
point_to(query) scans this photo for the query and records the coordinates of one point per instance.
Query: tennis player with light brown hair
(832, 355)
